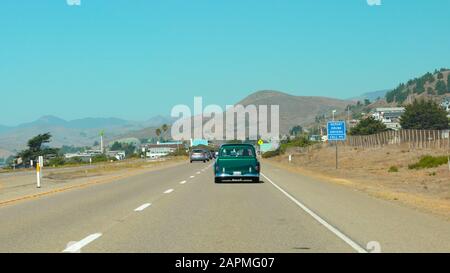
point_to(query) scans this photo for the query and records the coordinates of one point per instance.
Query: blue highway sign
(336, 130)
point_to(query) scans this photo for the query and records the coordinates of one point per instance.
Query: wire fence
(415, 139)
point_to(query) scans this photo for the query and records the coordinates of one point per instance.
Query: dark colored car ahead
(237, 162)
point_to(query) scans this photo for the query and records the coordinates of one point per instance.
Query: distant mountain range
(371, 96)
(294, 110)
(78, 132)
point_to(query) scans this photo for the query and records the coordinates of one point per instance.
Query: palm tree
(158, 132)
(164, 127)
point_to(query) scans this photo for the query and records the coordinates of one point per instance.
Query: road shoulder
(426, 204)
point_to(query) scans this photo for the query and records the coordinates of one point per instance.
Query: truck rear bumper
(240, 176)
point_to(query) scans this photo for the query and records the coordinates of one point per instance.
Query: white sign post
(336, 131)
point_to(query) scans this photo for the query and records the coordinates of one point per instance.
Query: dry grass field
(382, 172)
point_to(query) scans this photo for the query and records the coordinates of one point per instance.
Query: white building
(390, 116)
(161, 149)
(446, 105)
(119, 155)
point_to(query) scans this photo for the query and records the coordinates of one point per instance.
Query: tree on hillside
(36, 148)
(441, 87)
(420, 86)
(428, 77)
(158, 132)
(368, 126)
(448, 82)
(366, 102)
(296, 130)
(424, 115)
(128, 148)
(399, 94)
(116, 146)
(440, 76)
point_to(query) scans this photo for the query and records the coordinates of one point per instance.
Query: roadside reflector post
(38, 174)
(41, 165)
(290, 158)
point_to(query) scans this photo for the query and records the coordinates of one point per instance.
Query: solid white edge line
(169, 191)
(339, 234)
(80, 244)
(144, 206)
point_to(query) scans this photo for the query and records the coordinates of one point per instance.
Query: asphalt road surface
(181, 209)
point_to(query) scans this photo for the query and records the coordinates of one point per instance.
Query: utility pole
(348, 115)
(102, 132)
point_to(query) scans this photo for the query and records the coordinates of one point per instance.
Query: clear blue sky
(136, 58)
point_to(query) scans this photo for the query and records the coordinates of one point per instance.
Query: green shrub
(429, 161)
(271, 153)
(393, 169)
(99, 158)
(57, 161)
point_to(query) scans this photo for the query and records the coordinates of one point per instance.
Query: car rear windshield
(197, 151)
(237, 151)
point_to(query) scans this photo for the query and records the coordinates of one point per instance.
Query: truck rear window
(231, 151)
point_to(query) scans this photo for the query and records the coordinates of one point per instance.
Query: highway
(181, 209)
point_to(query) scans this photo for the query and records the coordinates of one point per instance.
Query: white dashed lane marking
(141, 208)
(75, 247)
(169, 191)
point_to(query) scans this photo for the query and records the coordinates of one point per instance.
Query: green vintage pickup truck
(237, 162)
